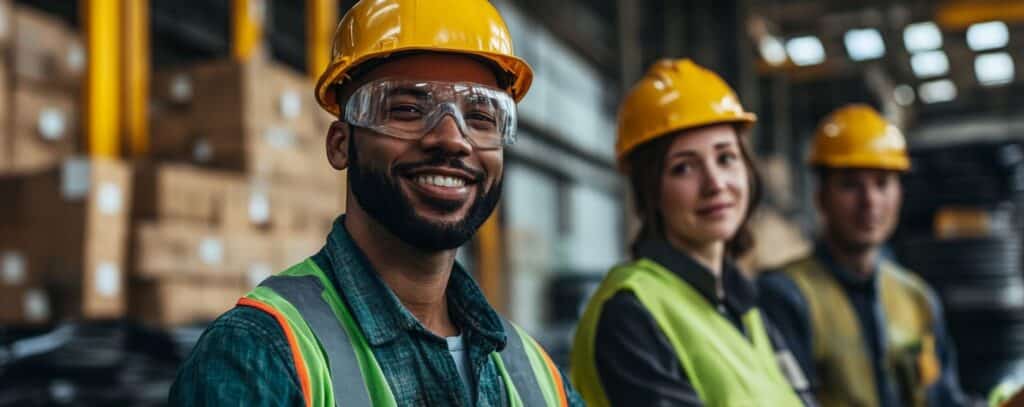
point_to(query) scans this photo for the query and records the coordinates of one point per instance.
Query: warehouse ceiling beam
(247, 20)
(101, 21)
(959, 14)
(321, 18)
(136, 75)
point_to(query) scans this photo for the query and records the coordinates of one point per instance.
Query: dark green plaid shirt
(243, 358)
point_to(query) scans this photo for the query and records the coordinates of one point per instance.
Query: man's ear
(338, 137)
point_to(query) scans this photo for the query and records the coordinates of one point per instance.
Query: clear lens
(408, 110)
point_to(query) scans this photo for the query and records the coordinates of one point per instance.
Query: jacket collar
(379, 312)
(739, 293)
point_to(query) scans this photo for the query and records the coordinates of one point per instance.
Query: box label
(108, 279)
(259, 208)
(37, 306)
(52, 124)
(211, 251)
(181, 88)
(76, 58)
(12, 270)
(110, 200)
(290, 104)
(75, 177)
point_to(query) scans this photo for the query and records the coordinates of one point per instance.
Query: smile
(443, 181)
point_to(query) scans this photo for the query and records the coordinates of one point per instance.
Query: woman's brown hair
(646, 166)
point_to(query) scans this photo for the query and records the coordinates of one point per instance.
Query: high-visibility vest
(332, 356)
(840, 352)
(724, 367)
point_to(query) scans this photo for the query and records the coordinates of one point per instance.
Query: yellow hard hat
(378, 28)
(856, 136)
(675, 95)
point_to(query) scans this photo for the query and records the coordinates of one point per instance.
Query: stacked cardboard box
(65, 232)
(47, 61)
(240, 188)
(237, 187)
(204, 237)
(256, 117)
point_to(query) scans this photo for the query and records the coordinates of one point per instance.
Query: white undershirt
(461, 358)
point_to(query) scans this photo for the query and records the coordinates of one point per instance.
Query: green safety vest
(724, 367)
(840, 352)
(332, 356)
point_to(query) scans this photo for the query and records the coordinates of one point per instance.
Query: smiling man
(864, 331)
(426, 94)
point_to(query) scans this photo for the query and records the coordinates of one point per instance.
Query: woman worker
(678, 325)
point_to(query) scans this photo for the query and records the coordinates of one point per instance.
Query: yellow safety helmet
(856, 136)
(379, 28)
(675, 95)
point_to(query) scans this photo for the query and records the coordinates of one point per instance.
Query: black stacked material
(974, 175)
(981, 287)
(111, 364)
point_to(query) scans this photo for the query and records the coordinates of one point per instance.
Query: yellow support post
(960, 14)
(321, 19)
(247, 18)
(489, 261)
(136, 75)
(101, 21)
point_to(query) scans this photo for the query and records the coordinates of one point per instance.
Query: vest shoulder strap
(520, 370)
(304, 293)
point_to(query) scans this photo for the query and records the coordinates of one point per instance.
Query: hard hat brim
(520, 70)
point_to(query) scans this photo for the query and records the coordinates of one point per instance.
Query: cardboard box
(261, 206)
(28, 305)
(45, 128)
(179, 301)
(290, 249)
(256, 117)
(46, 50)
(181, 192)
(165, 249)
(75, 222)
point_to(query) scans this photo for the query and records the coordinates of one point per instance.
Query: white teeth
(441, 181)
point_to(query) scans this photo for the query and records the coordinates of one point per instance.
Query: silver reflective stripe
(517, 363)
(304, 293)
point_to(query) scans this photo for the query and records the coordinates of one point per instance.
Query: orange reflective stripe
(300, 363)
(556, 376)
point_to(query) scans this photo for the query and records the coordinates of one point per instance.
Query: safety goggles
(408, 110)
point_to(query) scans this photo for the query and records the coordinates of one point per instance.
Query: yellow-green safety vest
(725, 368)
(840, 352)
(332, 356)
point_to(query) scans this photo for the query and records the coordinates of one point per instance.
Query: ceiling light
(929, 64)
(864, 44)
(990, 35)
(903, 95)
(806, 50)
(772, 50)
(994, 69)
(922, 37)
(942, 90)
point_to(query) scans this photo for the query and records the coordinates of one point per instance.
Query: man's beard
(381, 197)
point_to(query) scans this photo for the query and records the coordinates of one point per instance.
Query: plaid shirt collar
(381, 315)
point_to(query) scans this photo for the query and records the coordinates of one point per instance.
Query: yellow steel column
(321, 18)
(489, 260)
(101, 104)
(136, 75)
(247, 17)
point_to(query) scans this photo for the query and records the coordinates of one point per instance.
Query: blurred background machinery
(154, 155)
